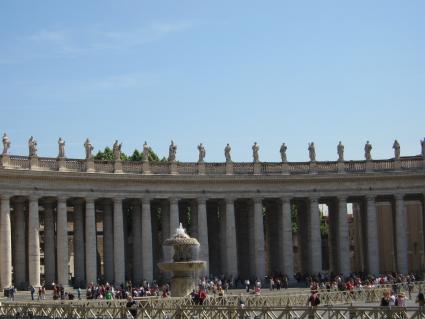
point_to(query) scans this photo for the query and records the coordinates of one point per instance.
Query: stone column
(147, 264)
(91, 251)
(231, 246)
(165, 219)
(49, 243)
(79, 258)
(401, 236)
(6, 243)
(119, 262)
(62, 242)
(259, 239)
(203, 233)
(315, 238)
(343, 243)
(372, 236)
(33, 242)
(137, 242)
(19, 251)
(287, 253)
(108, 242)
(174, 215)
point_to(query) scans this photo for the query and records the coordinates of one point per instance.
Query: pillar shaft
(62, 242)
(401, 236)
(372, 237)
(20, 257)
(147, 264)
(108, 242)
(165, 219)
(231, 246)
(287, 253)
(79, 257)
(6, 243)
(174, 215)
(33, 243)
(49, 244)
(315, 238)
(119, 262)
(137, 243)
(259, 239)
(91, 251)
(343, 243)
(203, 233)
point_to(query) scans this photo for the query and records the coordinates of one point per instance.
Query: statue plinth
(118, 167)
(90, 165)
(397, 164)
(5, 160)
(229, 168)
(173, 168)
(369, 166)
(313, 167)
(33, 162)
(201, 168)
(257, 168)
(285, 168)
(341, 167)
(61, 164)
(146, 167)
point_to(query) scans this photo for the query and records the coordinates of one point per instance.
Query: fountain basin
(182, 266)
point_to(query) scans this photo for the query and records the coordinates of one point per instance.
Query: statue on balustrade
(396, 147)
(172, 152)
(312, 152)
(89, 148)
(116, 151)
(202, 153)
(423, 148)
(32, 146)
(146, 150)
(227, 153)
(61, 144)
(255, 149)
(367, 151)
(340, 151)
(283, 149)
(6, 143)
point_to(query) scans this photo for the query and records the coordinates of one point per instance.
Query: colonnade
(231, 231)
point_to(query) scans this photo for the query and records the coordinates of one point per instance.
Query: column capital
(314, 198)
(5, 197)
(257, 200)
(145, 200)
(398, 196)
(90, 200)
(230, 200)
(201, 200)
(118, 199)
(342, 197)
(61, 199)
(33, 198)
(173, 200)
(370, 198)
(285, 199)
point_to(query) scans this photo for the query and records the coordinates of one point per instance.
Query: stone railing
(190, 168)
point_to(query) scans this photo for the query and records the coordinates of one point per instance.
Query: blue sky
(215, 72)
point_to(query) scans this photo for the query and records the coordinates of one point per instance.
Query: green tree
(137, 156)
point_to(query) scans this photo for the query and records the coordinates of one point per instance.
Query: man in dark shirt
(132, 306)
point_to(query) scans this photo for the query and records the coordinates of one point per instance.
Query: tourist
(314, 299)
(420, 299)
(132, 306)
(32, 290)
(401, 300)
(386, 299)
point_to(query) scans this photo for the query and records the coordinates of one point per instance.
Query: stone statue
(146, 150)
(367, 151)
(396, 147)
(255, 149)
(202, 153)
(32, 146)
(116, 151)
(172, 152)
(6, 144)
(61, 144)
(283, 149)
(340, 151)
(227, 151)
(312, 152)
(423, 148)
(89, 148)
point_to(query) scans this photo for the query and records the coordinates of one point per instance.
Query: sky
(215, 72)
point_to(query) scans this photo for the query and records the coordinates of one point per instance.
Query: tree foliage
(137, 156)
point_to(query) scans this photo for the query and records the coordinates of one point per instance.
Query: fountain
(183, 266)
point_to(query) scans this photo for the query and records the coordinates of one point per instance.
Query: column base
(229, 168)
(146, 168)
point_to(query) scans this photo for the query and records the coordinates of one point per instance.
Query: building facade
(79, 221)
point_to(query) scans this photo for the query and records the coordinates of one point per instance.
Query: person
(283, 156)
(132, 306)
(386, 299)
(79, 293)
(32, 290)
(227, 151)
(247, 283)
(314, 299)
(202, 153)
(401, 300)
